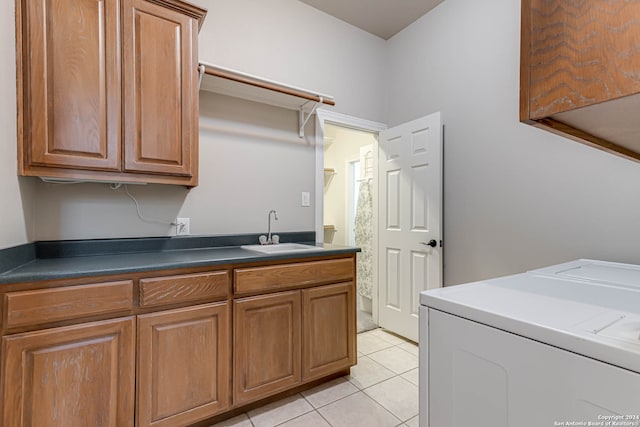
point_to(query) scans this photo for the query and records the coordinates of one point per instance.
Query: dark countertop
(45, 266)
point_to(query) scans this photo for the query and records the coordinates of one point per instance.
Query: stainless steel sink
(281, 248)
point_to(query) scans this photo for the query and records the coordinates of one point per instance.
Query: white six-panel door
(410, 211)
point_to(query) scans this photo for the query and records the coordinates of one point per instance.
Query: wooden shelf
(234, 83)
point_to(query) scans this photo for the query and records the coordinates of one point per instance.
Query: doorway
(349, 205)
(407, 188)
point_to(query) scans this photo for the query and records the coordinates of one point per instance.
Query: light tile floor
(382, 390)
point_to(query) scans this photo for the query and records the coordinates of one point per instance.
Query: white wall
(344, 148)
(15, 192)
(516, 197)
(254, 162)
(289, 41)
(251, 159)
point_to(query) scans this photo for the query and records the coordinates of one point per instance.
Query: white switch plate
(306, 199)
(182, 227)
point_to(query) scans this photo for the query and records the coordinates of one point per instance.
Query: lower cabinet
(287, 338)
(251, 333)
(65, 376)
(328, 330)
(266, 345)
(183, 365)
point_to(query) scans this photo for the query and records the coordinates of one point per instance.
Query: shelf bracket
(303, 119)
(201, 69)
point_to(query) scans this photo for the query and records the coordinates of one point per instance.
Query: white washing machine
(559, 346)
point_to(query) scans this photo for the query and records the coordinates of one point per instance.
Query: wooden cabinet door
(266, 343)
(184, 365)
(578, 54)
(328, 330)
(160, 89)
(71, 376)
(70, 53)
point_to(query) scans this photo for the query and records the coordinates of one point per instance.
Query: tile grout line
(300, 415)
(320, 413)
(343, 397)
(323, 417)
(395, 375)
(380, 403)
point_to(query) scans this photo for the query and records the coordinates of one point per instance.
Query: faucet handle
(275, 239)
(262, 239)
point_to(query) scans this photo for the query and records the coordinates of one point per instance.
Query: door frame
(348, 197)
(323, 117)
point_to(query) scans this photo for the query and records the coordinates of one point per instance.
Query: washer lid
(601, 272)
(585, 306)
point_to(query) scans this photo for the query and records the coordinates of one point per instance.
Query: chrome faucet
(275, 216)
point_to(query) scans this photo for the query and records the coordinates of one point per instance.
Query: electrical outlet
(182, 227)
(306, 199)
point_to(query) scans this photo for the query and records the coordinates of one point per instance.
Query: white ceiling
(384, 18)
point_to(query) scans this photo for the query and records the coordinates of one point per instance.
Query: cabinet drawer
(69, 302)
(287, 275)
(189, 287)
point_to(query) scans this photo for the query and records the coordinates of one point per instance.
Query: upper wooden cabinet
(71, 80)
(580, 71)
(160, 89)
(107, 90)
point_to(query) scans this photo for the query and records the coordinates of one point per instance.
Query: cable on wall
(138, 211)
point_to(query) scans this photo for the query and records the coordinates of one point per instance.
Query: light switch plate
(306, 199)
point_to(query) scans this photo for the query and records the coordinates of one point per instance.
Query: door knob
(431, 243)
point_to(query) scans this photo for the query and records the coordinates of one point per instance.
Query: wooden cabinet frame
(314, 325)
(309, 316)
(579, 72)
(79, 114)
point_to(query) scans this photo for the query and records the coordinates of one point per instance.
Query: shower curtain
(364, 239)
